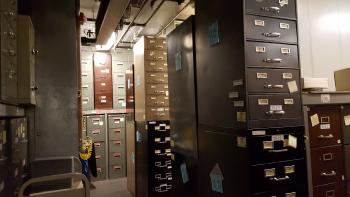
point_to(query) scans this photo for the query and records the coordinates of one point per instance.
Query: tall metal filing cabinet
(119, 86)
(250, 125)
(87, 81)
(153, 150)
(26, 61)
(327, 117)
(182, 105)
(96, 129)
(103, 81)
(8, 58)
(117, 146)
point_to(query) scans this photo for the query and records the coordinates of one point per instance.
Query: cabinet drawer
(276, 175)
(161, 142)
(101, 174)
(118, 78)
(86, 65)
(157, 101)
(271, 55)
(104, 101)
(324, 126)
(273, 80)
(276, 8)
(155, 55)
(117, 171)
(102, 87)
(102, 60)
(285, 145)
(120, 66)
(156, 66)
(100, 148)
(119, 90)
(290, 192)
(87, 90)
(117, 145)
(85, 55)
(116, 121)
(347, 161)
(155, 44)
(87, 77)
(327, 165)
(331, 190)
(119, 102)
(116, 157)
(157, 89)
(270, 29)
(87, 103)
(263, 107)
(95, 122)
(116, 133)
(160, 113)
(101, 159)
(157, 78)
(97, 135)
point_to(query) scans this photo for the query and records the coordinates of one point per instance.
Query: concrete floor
(110, 188)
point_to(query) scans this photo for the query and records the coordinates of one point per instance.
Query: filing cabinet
(103, 81)
(96, 128)
(280, 8)
(26, 61)
(116, 121)
(117, 171)
(87, 96)
(155, 44)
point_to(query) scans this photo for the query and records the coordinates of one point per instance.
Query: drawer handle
(159, 92)
(117, 167)
(274, 60)
(279, 179)
(272, 35)
(278, 151)
(332, 173)
(160, 46)
(161, 58)
(270, 86)
(271, 9)
(159, 103)
(276, 112)
(117, 142)
(330, 136)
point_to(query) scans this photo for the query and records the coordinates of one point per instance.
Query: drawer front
(120, 66)
(87, 77)
(279, 147)
(86, 65)
(155, 55)
(87, 103)
(290, 192)
(269, 29)
(118, 78)
(273, 80)
(119, 102)
(271, 55)
(347, 161)
(86, 55)
(97, 134)
(156, 66)
(155, 44)
(276, 8)
(101, 174)
(331, 190)
(160, 113)
(157, 101)
(116, 133)
(157, 78)
(274, 107)
(102, 87)
(100, 148)
(275, 175)
(161, 142)
(104, 101)
(87, 90)
(157, 89)
(346, 127)
(117, 171)
(116, 121)
(116, 157)
(101, 159)
(102, 61)
(324, 126)
(96, 122)
(117, 146)
(327, 165)
(119, 90)
(103, 75)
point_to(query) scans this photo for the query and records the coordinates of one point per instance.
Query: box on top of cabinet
(341, 78)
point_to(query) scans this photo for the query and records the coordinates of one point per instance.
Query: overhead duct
(109, 16)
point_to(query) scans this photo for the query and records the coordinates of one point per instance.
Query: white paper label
(289, 101)
(241, 117)
(263, 101)
(123, 104)
(260, 49)
(167, 93)
(276, 107)
(292, 141)
(100, 123)
(277, 138)
(238, 103)
(260, 23)
(287, 76)
(292, 86)
(233, 95)
(314, 120)
(261, 75)
(347, 120)
(260, 132)
(283, 2)
(284, 25)
(285, 50)
(325, 126)
(325, 98)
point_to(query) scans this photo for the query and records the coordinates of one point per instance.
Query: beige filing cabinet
(26, 60)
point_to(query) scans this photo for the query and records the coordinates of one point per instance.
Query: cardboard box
(341, 78)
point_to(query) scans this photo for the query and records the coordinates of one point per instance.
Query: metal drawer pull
(271, 9)
(272, 35)
(274, 60)
(159, 91)
(275, 112)
(332, 173)
(280, 179)
(163, 188)
(278, 151)
(160, 46)
(330, 136)
(10, 34)
(270, 86)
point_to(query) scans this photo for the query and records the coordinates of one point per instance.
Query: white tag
(275, 138)
(103, 84)
(233, 95)
(261, 132)
(292, 141)
(103, 101)
(121, 119)
(289, 101)
(260, 49)
(260, 23)
(347, 120)
(284, 25)
(287, 76)
(160, 109)
(292, 86)
(100, 123)
(123, 104)
(325, 126)
(263, 101)
(276, 107)
(241, 117)
(283, 2)
(261, 75)
(325, 98)
(238, 103)
(285, 50)
(314, 120)
(167, 93)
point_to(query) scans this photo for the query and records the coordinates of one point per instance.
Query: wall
(55, 119)
(324, 36)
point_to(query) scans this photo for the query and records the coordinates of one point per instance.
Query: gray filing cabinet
(87, 82)
(119, 86)
(26, 61)
(8, 58)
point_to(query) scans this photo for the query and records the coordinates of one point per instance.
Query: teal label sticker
(217, 178)
(178, 61)
(213, 34)
(184, 173)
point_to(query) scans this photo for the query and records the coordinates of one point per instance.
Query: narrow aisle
(111, 188)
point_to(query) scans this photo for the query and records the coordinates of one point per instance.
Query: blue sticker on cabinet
(184, 173)
(213, 34)
(217, 178)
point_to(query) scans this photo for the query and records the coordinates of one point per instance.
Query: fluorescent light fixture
(109, 43)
